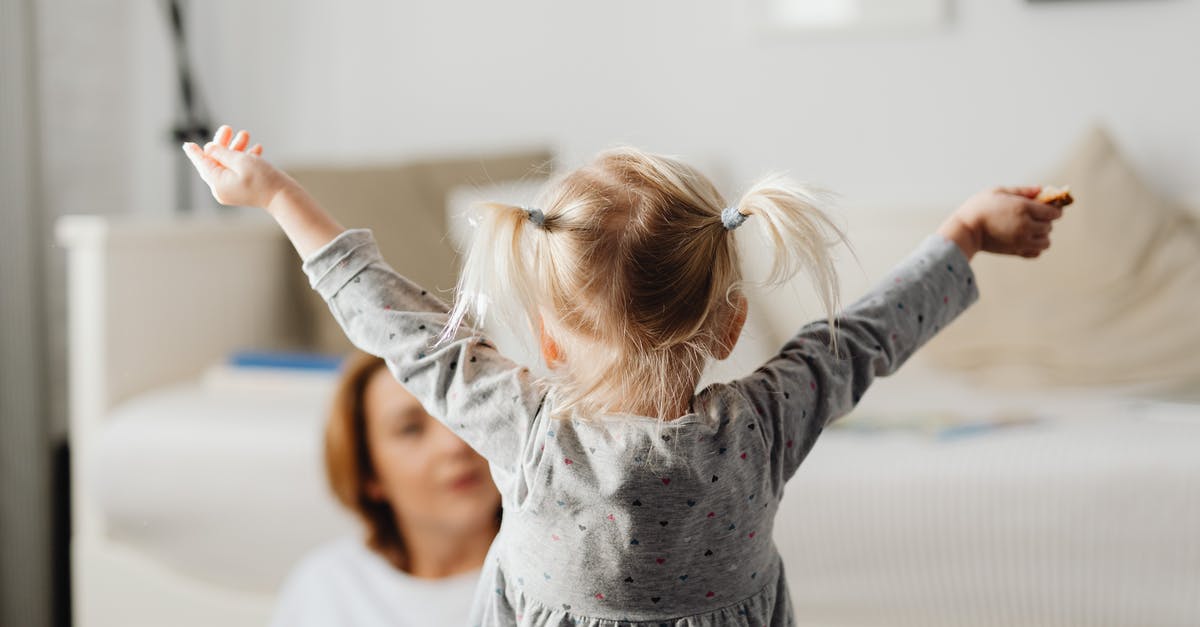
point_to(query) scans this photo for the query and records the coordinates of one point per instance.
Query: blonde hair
(630, 271)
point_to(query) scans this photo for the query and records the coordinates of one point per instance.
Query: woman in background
(427, 502)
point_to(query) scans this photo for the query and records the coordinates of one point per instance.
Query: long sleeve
(488, 400)
(805, 387)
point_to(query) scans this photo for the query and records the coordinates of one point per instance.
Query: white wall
(994, 96)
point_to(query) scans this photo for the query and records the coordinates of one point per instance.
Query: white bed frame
(149, 304)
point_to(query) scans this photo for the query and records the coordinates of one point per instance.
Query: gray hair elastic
(732, 218)
(535, 215)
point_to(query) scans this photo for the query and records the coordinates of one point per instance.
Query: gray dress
(627, 520)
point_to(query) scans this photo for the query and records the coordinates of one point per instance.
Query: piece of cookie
(1056, 196)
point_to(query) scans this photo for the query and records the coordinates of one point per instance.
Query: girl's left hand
(235, 175)
(1003, 220)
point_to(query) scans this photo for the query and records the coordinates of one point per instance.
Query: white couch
(190, 505)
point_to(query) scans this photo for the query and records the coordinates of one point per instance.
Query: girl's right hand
(235, 175)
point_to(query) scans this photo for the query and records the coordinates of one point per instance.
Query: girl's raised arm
(465, 382)
(807, 385)
(488, 400)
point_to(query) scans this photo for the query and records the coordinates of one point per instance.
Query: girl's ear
(734, 329)
(549, 347)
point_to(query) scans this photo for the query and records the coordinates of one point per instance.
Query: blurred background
(904, 108)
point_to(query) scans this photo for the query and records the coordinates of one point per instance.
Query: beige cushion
(405, 207)
(1114, 301)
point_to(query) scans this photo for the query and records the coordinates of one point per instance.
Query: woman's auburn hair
(630, 268)
(348, 464)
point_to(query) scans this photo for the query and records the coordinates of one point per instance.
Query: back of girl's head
(630, 266)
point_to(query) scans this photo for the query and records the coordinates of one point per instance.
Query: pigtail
(794, 218)
(495, 277)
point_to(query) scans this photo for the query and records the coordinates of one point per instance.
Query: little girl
(630, 499)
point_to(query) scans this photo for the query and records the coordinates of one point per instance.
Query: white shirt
(344, 583)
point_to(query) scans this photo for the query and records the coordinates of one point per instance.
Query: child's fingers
(1042, 211)
(196, 156)
(1039, 228)
(1034, 248)
(1029, 191)
(240, 141)
(256, 149)
(223, 155)
(203, 164)
(223, 134)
